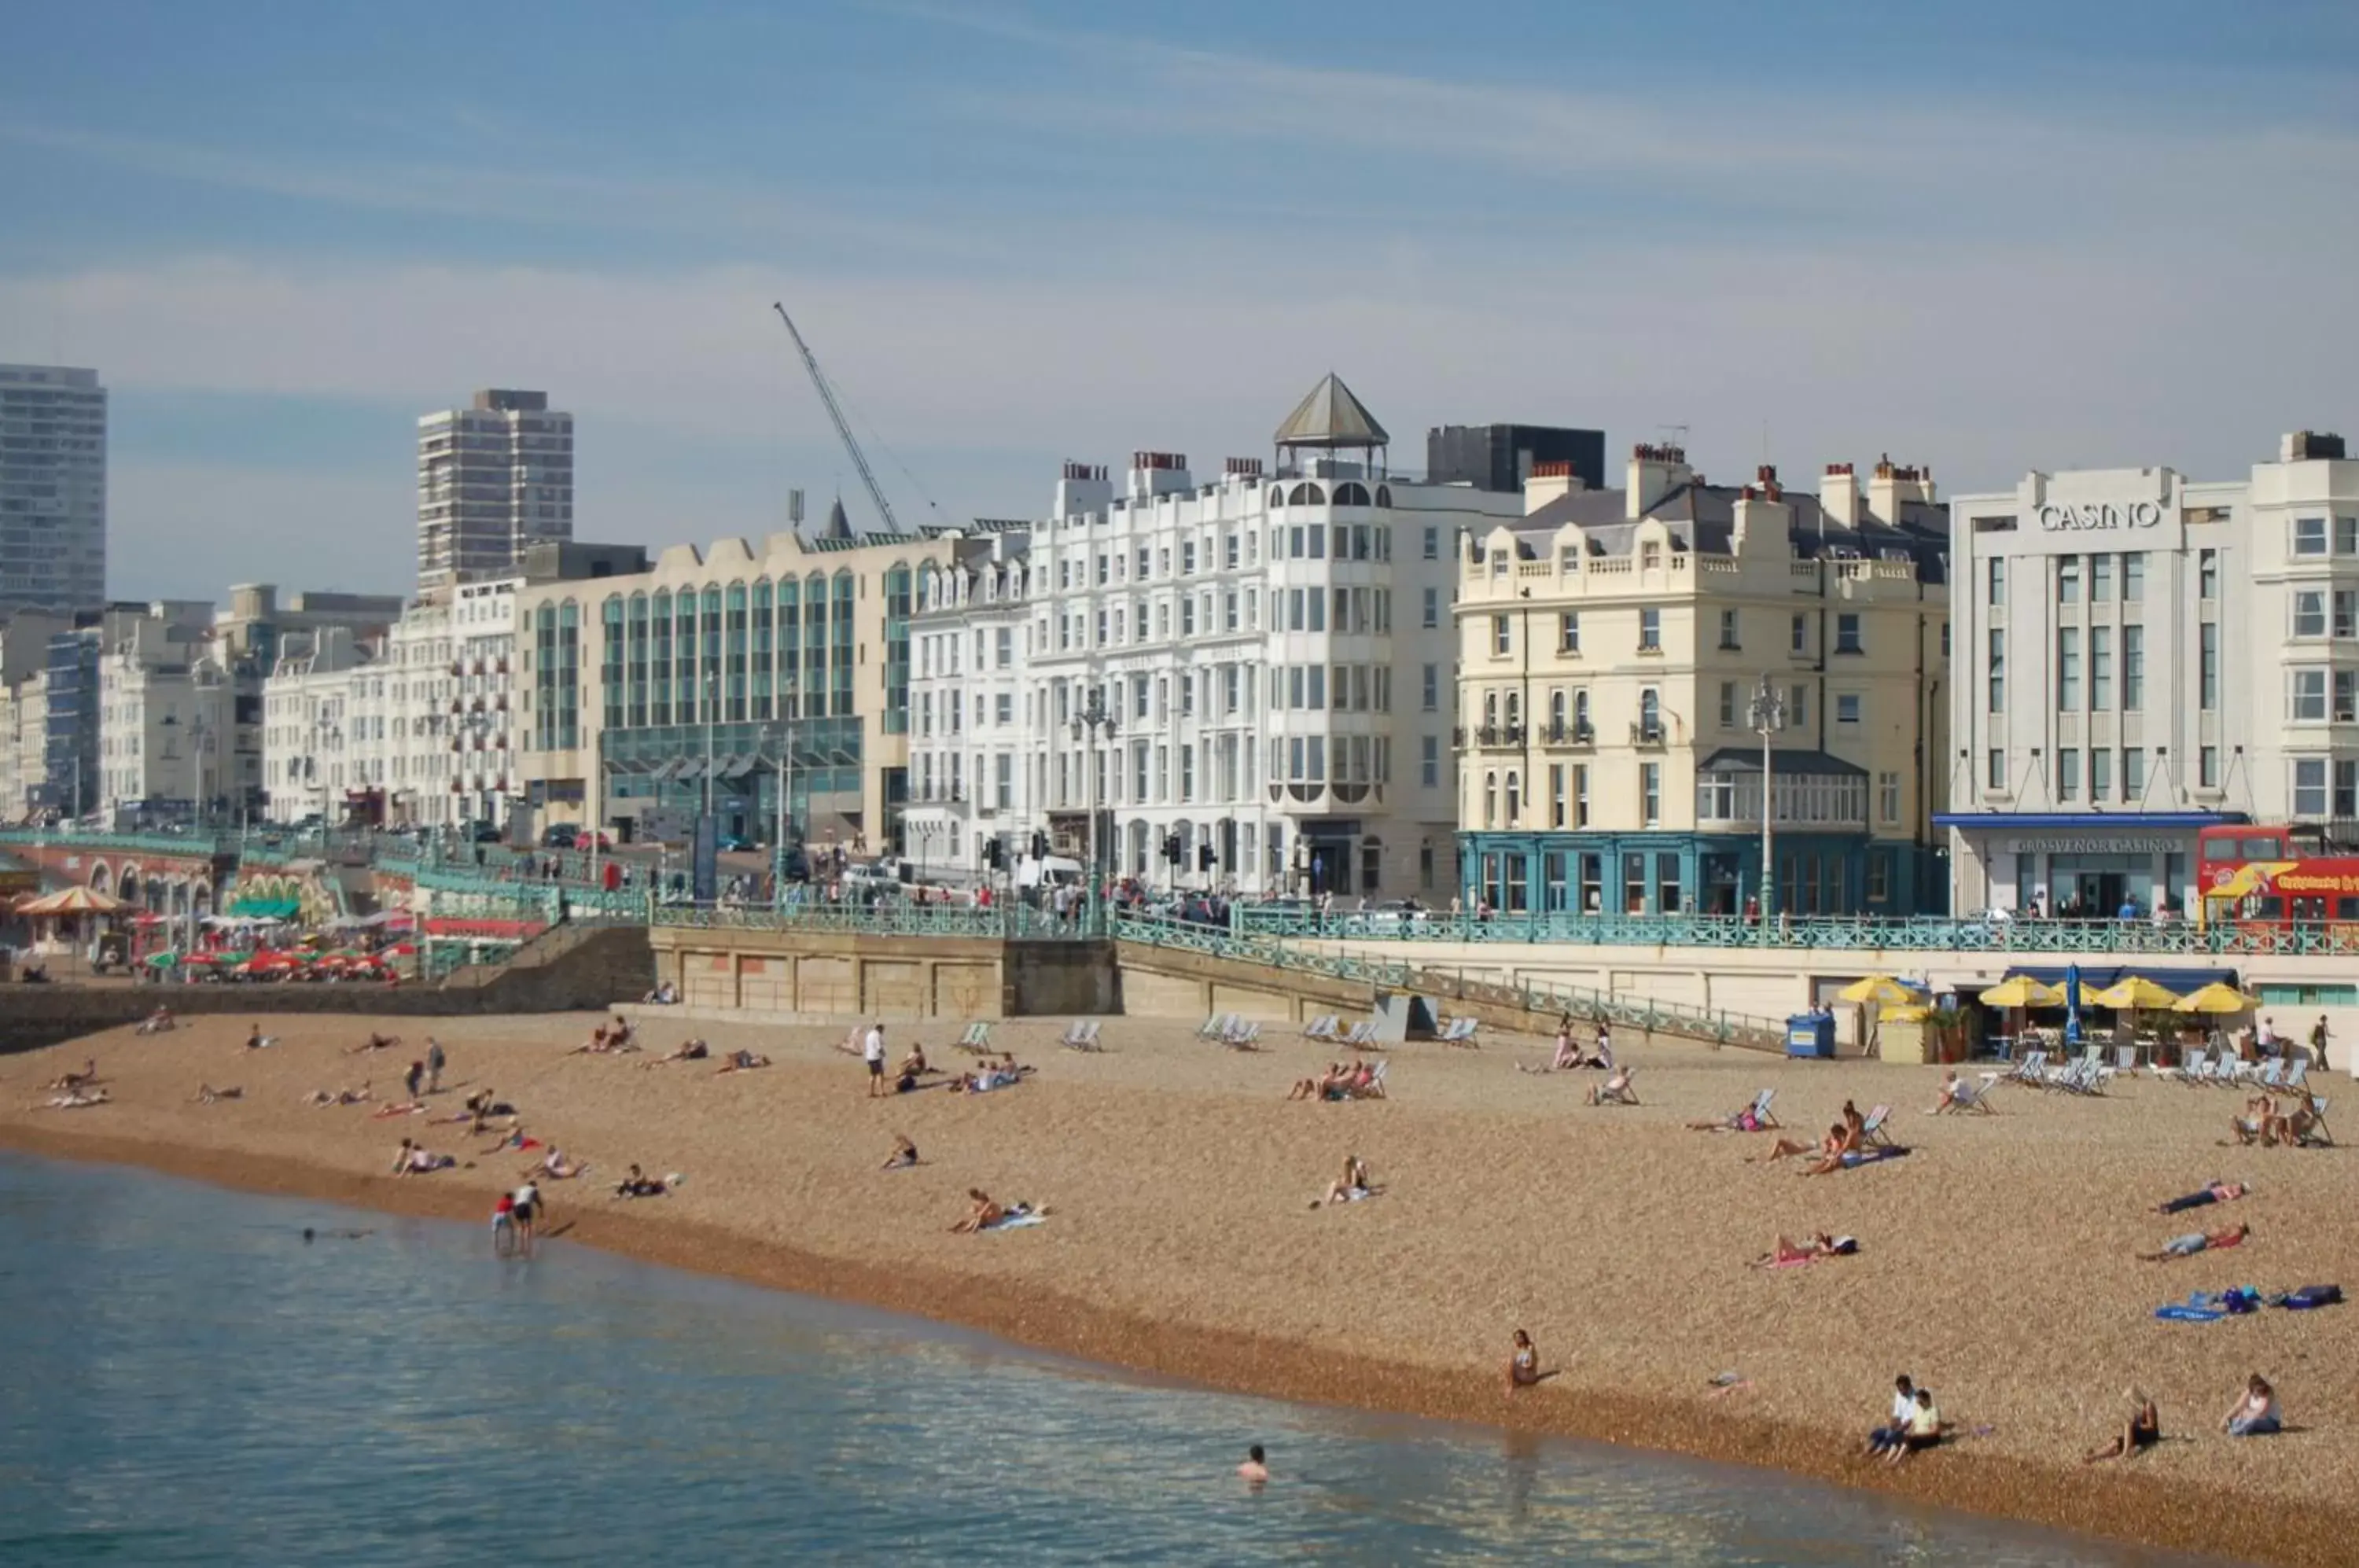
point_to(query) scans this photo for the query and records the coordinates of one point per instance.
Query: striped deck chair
(1326, 1026)
(1974, 1094)
(1363, 1033)
(1870, 1131)
(1216, 1026)
(1460, 1032)
(1241, 1035)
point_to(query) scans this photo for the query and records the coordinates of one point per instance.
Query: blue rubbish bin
(1810, 1034)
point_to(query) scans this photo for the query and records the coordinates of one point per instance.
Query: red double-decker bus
(2255, 876)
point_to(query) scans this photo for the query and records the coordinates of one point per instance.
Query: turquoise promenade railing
(1002, 922)
(2177, 939)
(1552, 1000)
(191, 843)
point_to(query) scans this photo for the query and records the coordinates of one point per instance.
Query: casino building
(2139, 655)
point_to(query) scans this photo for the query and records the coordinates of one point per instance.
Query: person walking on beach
(872, 1051)
(1254, 1471)
(2318, 1043)
(435, 1063)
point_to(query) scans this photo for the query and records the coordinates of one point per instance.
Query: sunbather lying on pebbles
(686, 1051)
(987, 1212)
(374, 1042)
(1839, 1141)
(76, 1100)
(742, 1062)
(1786, 1254)
(2188, 1245)
(412, 1160)
(70, 1083)
(1616, 1088)
(319, 1098)
(206, 1094)
(554, 1167)
(2217, 1193)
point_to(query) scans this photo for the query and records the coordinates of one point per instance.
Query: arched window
(1306, 496)
(1277, 495)
(1514, 797)
(1580, 710)
(1490, 800)
(1490, 710)
(1515, 709)
(1384, 495)
(1351, 495)
(1556, 711)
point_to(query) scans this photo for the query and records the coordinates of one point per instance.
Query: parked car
(730, 844)
(558, 835)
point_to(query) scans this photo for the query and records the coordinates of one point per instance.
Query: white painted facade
(1276, 654)
(2138, 654)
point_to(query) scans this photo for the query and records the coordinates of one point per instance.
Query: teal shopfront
(1688, 873)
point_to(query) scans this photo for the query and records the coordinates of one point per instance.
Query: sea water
(183, 1380)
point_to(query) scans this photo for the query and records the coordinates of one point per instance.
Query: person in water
(1254, 1471)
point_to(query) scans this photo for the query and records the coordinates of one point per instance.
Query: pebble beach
(1996, 1260)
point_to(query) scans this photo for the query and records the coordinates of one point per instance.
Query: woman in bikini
(1352, 1182)
(1834, 1146)
(985, 1214)
(1523, 1363)
(2142, 1431)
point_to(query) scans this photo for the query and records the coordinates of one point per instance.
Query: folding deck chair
(1870, 1131)
(1762, 1115)
(1081, 1034)
(1241, 1035)
(1363, 1033)
(1974, 1094)
(1326, 1026)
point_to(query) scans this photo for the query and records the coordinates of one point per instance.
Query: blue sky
(1984, 238)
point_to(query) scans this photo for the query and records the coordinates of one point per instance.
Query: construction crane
(843, 426)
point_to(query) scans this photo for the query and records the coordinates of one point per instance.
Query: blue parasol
(2071, 1004)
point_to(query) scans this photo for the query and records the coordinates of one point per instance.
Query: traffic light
(1171, 848)
(1039, 845)
(1205, 859)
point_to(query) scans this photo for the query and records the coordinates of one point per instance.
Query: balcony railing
(1645, 734)
(1582, 733)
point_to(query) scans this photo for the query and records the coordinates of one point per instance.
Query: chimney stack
(1549, 482)
(1655, 473)
(1839, 495)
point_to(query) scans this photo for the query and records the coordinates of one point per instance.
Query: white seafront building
(2139, 655)
(1250, 677)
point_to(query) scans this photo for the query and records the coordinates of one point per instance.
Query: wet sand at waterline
(1996, 1260)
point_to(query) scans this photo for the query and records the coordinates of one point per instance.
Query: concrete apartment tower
(491, 478)
(52, 487)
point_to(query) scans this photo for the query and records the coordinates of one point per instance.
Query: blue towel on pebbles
(1018, 1221)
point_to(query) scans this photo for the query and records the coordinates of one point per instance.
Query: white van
(1051, 871)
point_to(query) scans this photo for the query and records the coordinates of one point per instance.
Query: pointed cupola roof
(839, 527)
(1331, 416)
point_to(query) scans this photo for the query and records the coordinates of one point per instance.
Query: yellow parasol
(2217, 997)
(2021, 991)
(1883, 991)
(2135, 993)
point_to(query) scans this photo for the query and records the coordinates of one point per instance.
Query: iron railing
(134, 842)
(1851, 934)
(1548, 999)
(1011, 921)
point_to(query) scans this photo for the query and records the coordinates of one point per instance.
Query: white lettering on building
(2068, 516)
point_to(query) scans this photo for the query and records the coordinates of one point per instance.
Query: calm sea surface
(184, 1380)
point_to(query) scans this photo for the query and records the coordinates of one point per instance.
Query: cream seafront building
(2141, 656)
(1621, 651)
(1247, 677)
(721, 675)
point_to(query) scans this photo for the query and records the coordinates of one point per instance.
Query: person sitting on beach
(2256, 1412)
(161, 1021)
(206, 1094)
(1885, 1438)
(638, 1184)
(483, 1109)
(1317, 1088)
(76, 1100)
(414, 1160)
(1602, 1057)
(1567, 1054)
(2142, 1431)
(984, 1214)
(1745, 1120)
(70, 1083)
(663, 996)
(913, 1065)
(905, 1153)
(1951, 1090)
(2188, 1245)
(620, 1036)
(1616, 1090)
(1352, 1185)
(374, 1042)
(1362, 1082)
(2296, 1129)
(1823, 1244)
(2255, 1123)
(1923, 1430)
(1855, 1124)
(686, 1051)
(743, 1061)
(556, 1167)
(1837, 1142)
(1523, 1363)
(2217, 1193)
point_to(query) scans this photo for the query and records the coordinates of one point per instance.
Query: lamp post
(1767, 715)
(1094, 724)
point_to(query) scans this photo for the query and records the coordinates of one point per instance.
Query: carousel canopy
(72, 901)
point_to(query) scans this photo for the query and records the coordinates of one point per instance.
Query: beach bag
(2310, 1296)
(2243, 1298)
